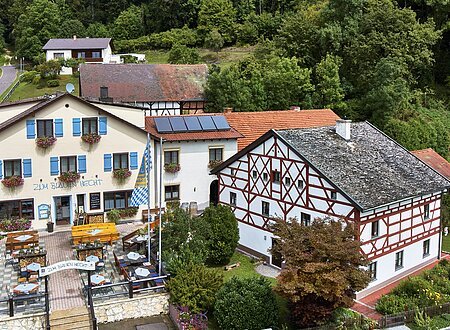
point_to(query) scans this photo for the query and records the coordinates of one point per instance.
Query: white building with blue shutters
(63, 122)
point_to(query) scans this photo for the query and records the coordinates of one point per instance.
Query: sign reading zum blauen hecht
(68, 264)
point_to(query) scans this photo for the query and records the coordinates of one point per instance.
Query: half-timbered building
(350, 171)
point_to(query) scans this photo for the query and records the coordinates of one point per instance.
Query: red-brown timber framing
(242, 170)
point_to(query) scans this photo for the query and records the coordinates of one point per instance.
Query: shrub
(53, 83)
(195, 287)
(113, 215)
(181, 54)
(15, 224)
(36, 80)
(393, 304)
(246, 304)
(29, 76)
(167, 39)
(223, 234)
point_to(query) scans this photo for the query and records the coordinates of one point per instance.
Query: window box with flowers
(172, 167)
(13, 181)
(45, 141)
(214, 163)
(69, 177)
(121, 174)
(91, 138)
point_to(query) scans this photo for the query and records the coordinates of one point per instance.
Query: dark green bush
(247, 303)
(29, 76)
(167, 39)
(393, 304)
(53, 83)
(181, 54)
(195, 287)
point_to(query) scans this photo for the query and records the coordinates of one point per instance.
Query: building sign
(68, 264)
(94, 201)
(44, 211)
(63, 185)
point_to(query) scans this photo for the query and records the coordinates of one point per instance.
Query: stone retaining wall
(27, 322)
(121, 309)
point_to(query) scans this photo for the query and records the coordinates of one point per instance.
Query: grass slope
(28, 90)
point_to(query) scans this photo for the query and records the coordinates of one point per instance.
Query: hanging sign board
(44, 211)
(67, 264)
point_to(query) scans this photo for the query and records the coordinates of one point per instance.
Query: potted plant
(172, 167)
(45, 141)
(69, 177)
(214, 163)
(91, 138)
(13, 181)
(121, 174)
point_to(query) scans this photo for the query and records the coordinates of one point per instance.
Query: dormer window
(44, 128)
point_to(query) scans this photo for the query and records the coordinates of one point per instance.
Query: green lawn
(225, 57)
(28, 90)
(446, 243)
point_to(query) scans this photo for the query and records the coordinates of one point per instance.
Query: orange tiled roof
(254, 124)
(150, 127)
(434, 160)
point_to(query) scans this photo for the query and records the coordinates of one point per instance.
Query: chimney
(74, 37)
(343, 128)
(295, 108)
(227, 110)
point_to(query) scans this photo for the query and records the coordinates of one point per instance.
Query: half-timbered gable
(351, 171)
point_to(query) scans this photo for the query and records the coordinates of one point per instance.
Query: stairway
(70, 319)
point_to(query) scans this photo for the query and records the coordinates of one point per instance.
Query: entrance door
(80, 204)
(214, 192)
(277, 259)
(62, 210)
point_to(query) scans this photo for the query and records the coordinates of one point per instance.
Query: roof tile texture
(254, 124)
(144, 82)
(434, 160)
(79, 43)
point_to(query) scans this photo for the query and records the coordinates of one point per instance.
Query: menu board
(94, 199)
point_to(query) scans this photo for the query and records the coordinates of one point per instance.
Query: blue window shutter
(82, 164)
(107, 162)
(31, 130)
(27, 168)
(76, 126)
(54, 166)
(59, 127)
(133, 160)
(102, 125)
(1, 169)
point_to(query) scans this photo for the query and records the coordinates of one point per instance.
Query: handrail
(91, 308)
(12, 89)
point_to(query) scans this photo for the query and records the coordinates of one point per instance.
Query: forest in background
(385, 61)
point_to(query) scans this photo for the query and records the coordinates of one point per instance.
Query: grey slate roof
(79, 43)
(370, 168)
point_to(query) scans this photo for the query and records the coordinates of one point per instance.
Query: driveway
(7, 78)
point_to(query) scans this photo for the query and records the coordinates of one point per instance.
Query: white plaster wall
(135, 116)
(194, 178)
(42, 186)
(14, 109)
(106, 54)
(67, 54)
(254, 238)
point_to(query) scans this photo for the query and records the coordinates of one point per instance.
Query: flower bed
(172, 168)
(69, 177)
(13, 181)
(184, 319)
(121, 174)
(91, 138)
(431, 288)
(15, 224)
(45, 142)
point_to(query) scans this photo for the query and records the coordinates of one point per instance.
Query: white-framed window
(171, 157)
(68, 164)
(96, 54)
(426, 248)
(426, 211)
(215, 154)
(233, 198)
(89, 125)
(172, 193)
(81, 55)
(399, 260)
(120, 161)
(375, 230)
(12, 167)
(305, 219)
(372, 268)
(58, 55)
(265, 208)
(44, 128)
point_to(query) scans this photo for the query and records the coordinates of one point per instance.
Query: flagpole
(160, 203)
(148, 197)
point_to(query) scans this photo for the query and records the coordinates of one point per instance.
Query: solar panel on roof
(221, 123)
(192, 123)
(163, 125)
(207, 123)
(178, 124)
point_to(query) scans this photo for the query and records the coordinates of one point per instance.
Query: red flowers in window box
(69, 177)
(121, 174)
(13, 181)
(45, 141)
(172, 168)
(91, 138)
(214, 163)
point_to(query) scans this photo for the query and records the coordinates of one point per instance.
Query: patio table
(98, 279)
(33, 267)
(92, 258)
(25, 288)
(134, 258)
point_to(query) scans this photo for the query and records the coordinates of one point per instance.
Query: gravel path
(267, 270)
(7, 78)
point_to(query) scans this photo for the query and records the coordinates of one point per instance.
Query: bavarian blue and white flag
(140, 195)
